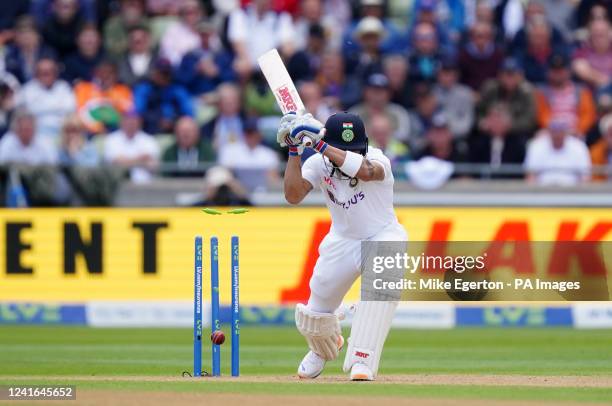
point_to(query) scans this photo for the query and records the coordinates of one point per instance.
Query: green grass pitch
(42, 354)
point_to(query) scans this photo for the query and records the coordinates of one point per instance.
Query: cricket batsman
(358, 186)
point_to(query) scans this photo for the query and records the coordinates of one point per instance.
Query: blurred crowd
(171, 86)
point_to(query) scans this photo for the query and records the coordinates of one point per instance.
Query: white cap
(217, 176)
(369, 25)
(429, 173)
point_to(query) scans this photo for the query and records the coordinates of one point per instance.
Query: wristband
(352, 163)
(293, 151)
(320, 147)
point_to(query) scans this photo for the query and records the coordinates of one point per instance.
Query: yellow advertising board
(74, 255)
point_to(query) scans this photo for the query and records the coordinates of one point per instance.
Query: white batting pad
(321, 330)
(371, 325)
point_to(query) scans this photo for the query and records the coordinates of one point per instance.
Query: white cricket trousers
(339, 265)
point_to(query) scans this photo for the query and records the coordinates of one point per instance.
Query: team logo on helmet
(347, 133)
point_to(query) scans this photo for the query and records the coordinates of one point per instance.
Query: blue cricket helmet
(346, 131)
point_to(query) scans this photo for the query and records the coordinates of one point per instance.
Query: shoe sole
(361, 377)
(309, 377)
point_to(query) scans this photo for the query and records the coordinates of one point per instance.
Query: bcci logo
(347, 132)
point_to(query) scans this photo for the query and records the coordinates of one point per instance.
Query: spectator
(88, 11)
(555, 157)
(440, 144)
(61, 29)
(188, 150)
(117, 28)
(380, 134)
(377, 100)
(456, 100)
(202, 69)
(255, 164)
(589, 10)
(304, 64)
(593, 61)
(227, 127)
(425, 56)
(159, 101)
(427, 107)
(222, 189)
(601, 151)
(182, 36)
(562, 99)
(395, 67)
(258, 98)
(48, 98)
(494, 143)
(341, 91)
(311, 14)
(26, 50)
(535, 15)
(539, 46)
(314, 102)
(132, 148)
(511, 89)
(445, 15)
(136, 62)
(102, 101)
(81, 64)
(75, 149)
(255, 30)
(367, 58)
(393, 41)
(23, 145)
(480, 58)
(9, 88)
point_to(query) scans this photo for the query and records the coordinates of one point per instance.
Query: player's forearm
(367, 170)
(293, 182)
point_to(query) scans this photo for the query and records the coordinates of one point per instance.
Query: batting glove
(284, 129)
(306, 127)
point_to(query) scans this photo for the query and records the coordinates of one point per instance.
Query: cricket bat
(280, 83)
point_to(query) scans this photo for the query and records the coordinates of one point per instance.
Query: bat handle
(308, 142)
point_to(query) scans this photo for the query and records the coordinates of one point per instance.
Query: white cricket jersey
(357, 212)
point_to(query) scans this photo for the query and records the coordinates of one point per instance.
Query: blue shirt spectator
(447, 16)
(25, 51)
(159, 101)
(393, 41)
(202, 69)
(41, 10)
(60, 29)
(424, 59)
(80, 65)
(447, 13)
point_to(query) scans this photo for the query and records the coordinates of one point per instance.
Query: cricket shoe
(312, 365)
(361, 372)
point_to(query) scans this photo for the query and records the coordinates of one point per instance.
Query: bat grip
(308, 142)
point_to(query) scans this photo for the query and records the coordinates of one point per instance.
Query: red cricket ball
(217, 337)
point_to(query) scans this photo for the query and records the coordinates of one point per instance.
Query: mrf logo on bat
(287, 98)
